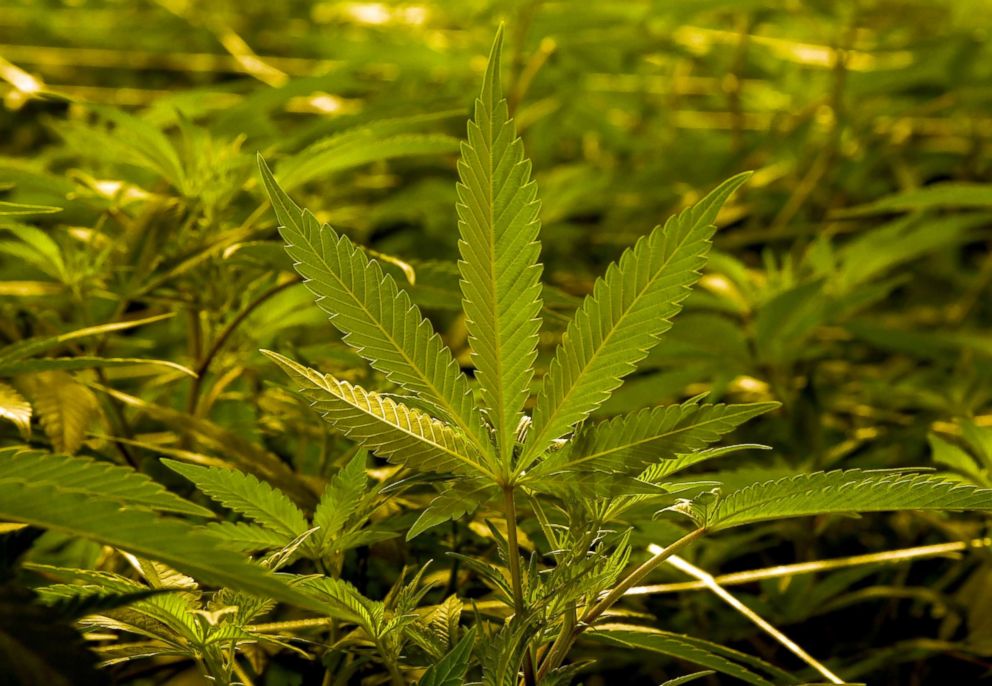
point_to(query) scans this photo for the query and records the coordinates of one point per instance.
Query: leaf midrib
(502, 431)
(649, 439)
(737, 517)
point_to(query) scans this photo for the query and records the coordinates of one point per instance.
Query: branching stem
(395, 675)
(564, 643)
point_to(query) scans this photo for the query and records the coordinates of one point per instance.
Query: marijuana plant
(520, 451)
(576, 477)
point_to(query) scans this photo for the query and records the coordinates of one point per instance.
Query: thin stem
(395, 676)
(513, 559)
(564, 639)
(733, 82)
(778, 571)
(563, 643)
(452, 586)
(292, 625)
(204, 364)
(632, 579)
(513, 550)
(242, 675)
(797, 650)
(217, 673)
(121, 419)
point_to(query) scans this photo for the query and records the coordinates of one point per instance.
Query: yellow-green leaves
(629, 443)
(342, 498)
(840, 491)
(377, 318)
(14, 408)
(246, 495)
(391, 429)
(630, 307)
(92, 478)
(17, 209)
(113, 505)
(450, 670)
(688, 648)
(500, 273)
(67, 408)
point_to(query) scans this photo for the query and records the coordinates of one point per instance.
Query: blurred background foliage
(850, 282)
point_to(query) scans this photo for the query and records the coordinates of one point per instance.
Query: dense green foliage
(446, 424)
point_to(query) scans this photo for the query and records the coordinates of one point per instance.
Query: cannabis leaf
(14, 209)
(348, 603)
(450, 670)
(341, 499)
(840, 491)
(15, 354)
(391, 429)
(248, 538)
(66, 407)
(180, 545)
(377, 318)
(247, 496)
(680, 680)
(688, 648)
(347, 151)
(457, 500)
(498, 224)
(629, 308)
(629, 443)
(15, 408)
(86, 476)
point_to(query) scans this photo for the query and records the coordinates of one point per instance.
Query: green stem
(217, 673)
(635, 577)
(395, 676)
(513, 558)
(563, 644)
(563, 639)
(203, 366)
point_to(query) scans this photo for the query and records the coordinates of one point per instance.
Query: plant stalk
(513, 559)
(568, 625)
(563, 643)
(395, 676)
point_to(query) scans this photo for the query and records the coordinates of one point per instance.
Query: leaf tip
(491, 90)
(262, 164)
